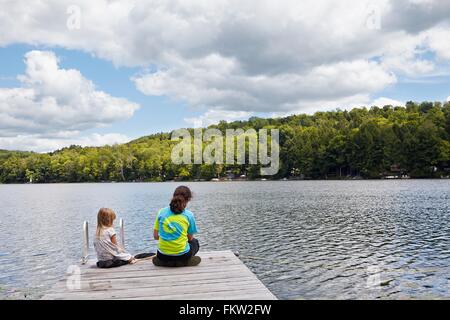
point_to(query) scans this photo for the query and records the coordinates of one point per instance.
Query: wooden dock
(220, 276)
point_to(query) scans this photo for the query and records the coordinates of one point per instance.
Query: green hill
(369, 143)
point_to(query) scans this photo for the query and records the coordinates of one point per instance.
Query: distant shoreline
(222, 181)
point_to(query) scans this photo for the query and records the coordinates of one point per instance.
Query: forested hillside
(368, 143)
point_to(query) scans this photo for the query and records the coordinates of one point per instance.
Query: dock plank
(220, 275)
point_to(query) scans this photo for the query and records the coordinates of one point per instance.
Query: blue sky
(158, 66)
(161, 113)
(157, 114)
(434, 88)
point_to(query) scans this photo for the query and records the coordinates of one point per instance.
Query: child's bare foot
(132, 261)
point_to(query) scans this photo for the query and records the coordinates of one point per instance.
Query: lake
(387, 239)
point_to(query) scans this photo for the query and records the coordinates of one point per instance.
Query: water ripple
(303, 239)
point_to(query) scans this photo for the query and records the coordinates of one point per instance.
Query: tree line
(371, 143)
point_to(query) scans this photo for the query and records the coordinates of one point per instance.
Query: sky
(104, 72)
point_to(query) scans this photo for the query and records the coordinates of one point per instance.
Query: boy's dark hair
(181, 196)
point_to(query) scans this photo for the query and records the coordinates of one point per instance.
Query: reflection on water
(303, 239)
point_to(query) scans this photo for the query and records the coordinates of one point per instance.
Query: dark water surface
(303, 239)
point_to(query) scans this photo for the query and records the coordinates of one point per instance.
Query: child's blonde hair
(105, 219)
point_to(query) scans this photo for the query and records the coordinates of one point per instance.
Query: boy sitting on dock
(174, 228)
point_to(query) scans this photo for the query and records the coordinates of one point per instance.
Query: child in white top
(109, 253)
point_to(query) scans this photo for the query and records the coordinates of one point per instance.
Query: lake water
(303, 239)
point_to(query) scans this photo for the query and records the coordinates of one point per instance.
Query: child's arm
(192, 229)
(156, 227)
(114, 240)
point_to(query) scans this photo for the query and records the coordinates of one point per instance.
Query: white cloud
(226, 87)
(300, 57)
(236, 56)
(52, 99)
(39, 143)
(404, 55)
(347, 103)
(215, 116)
(383, 101)
(55, 102)
(438, 40)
